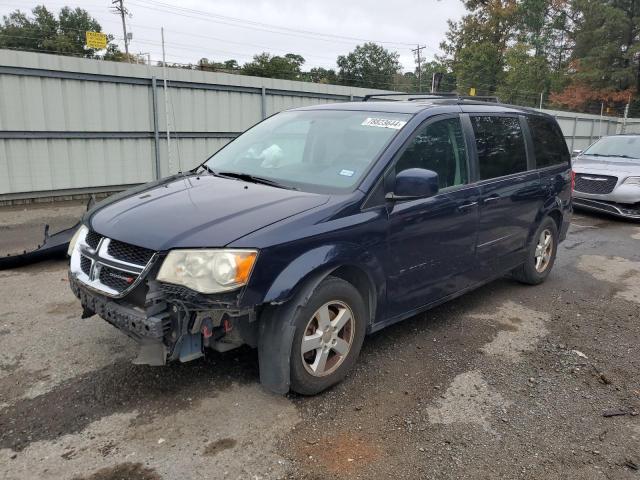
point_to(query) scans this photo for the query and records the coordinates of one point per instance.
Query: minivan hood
(196, 211)
(612, 165)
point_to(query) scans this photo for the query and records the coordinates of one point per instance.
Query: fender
(314, 265)
(290, 291)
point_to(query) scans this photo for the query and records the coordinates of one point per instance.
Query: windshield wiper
(610, 155)
(253, 179)
(623, 156)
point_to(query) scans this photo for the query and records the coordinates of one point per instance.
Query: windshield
(622, 146)
(315, 150)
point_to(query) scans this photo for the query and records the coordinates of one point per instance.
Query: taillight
(573, 180)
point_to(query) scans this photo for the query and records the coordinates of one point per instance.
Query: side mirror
(414, 183)
(575, 153)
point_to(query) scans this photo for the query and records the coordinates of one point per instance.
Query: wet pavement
(509, 381)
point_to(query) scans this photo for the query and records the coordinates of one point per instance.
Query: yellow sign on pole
(472, 91)
(96, 40)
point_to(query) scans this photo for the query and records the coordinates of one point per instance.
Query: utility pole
(166, 102)
(626, 115)
(417, 51)
(119, 8)
(541, 97)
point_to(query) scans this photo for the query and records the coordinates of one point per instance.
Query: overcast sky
(196, 29)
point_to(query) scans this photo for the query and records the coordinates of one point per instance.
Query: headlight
(632, 181)
(208, 271)
(81, 232)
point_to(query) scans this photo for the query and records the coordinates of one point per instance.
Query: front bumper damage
(173, 323)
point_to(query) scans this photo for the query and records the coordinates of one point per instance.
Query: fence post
(593, 126)
(263, 102)
(156, 133)
(575, 128)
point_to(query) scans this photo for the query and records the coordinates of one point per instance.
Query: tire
(531, 272)
(330, 328)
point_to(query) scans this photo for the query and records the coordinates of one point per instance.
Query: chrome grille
(596, 184)
(107, 265)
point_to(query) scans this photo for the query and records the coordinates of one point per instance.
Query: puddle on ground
(218, 446)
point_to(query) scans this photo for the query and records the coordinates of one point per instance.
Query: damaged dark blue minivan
(322, 224)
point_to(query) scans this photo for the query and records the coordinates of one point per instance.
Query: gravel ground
(506, 382)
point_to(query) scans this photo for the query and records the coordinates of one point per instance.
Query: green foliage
(274, 66)
(321, 75)
(578, 51)
(368, 65)
(229, 66)
(524, 75)
(43, 32)
(607, 40)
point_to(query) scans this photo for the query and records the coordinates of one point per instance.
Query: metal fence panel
(72, 124)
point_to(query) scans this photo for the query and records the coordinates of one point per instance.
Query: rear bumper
(612, 208)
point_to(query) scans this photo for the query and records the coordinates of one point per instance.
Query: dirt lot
(506, 382)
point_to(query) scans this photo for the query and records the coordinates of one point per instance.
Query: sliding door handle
(492, 198)
(466, 206)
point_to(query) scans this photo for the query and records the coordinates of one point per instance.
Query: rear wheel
(541, 254)
(330, 330)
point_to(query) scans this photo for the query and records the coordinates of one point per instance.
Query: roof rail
(427, 96)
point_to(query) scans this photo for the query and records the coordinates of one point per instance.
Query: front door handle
(492, 198)
(466, 206)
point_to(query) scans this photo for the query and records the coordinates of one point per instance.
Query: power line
(244, 23)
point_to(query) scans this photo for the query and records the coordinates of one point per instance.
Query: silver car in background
(607, 176)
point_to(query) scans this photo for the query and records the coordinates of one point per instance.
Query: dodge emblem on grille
(595, 179)
(129, 280)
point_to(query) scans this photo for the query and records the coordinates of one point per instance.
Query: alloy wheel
(544, 250)
(328, 338)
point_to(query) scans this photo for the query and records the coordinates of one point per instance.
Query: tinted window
(548, 142)
(500, 144)
(440, 147)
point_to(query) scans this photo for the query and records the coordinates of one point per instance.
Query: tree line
(578, 54)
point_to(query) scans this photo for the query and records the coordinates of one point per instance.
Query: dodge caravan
(322, 224)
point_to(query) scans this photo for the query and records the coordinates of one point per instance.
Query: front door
(432, 241)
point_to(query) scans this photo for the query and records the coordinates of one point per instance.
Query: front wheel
(329, 331)
(541, 254)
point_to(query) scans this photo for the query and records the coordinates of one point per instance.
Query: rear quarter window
(549, 145)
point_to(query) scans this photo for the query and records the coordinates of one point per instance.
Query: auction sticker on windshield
(384, 123)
